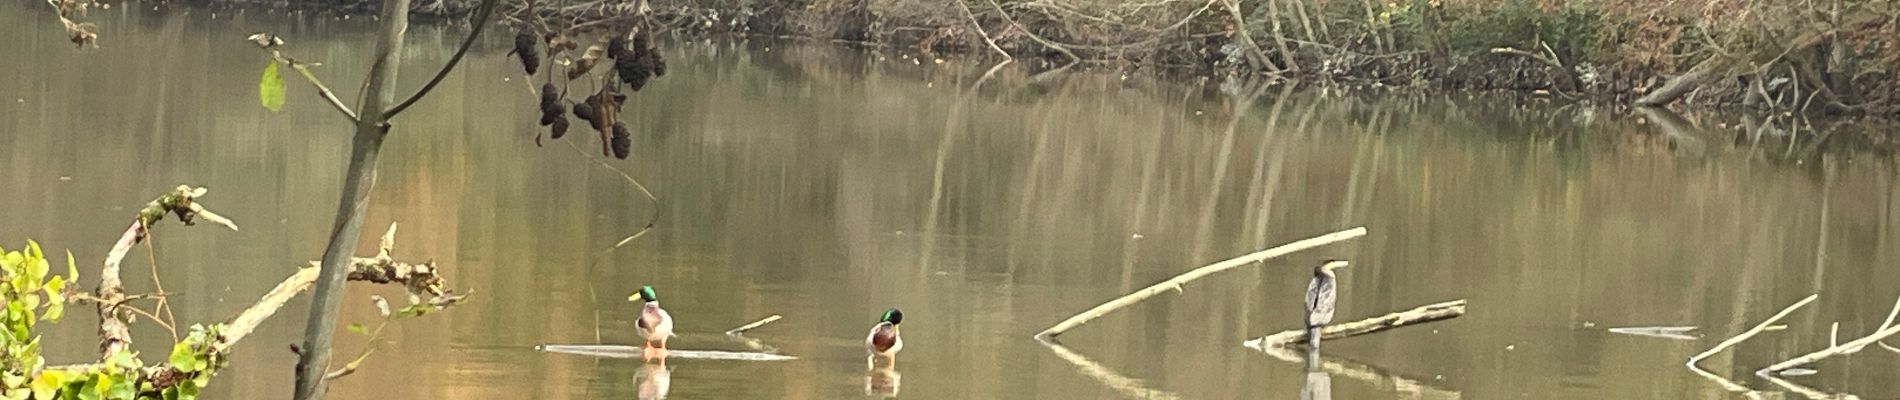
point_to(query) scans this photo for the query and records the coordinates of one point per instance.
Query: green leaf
(72, 269)
(123, 389)
(123, 358)
(358, 329)
(56, 299)
(270, 88)
(96, 388)
(183, 358)
(49, 382)
(12, 260)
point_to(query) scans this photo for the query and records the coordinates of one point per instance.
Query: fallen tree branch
(1073, 59)
(967, 15)
(419, 279)
(181, 201)
(1835, 350)
(1415, 316)
(1175, 283)
(1707, 71)
(1751, 332)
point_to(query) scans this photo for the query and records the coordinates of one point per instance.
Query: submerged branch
(1175, 283)
(1763, 326)
(1835, 350)
(1422, 314)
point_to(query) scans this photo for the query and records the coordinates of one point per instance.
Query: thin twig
(481, 23)
(753, 325)
(170, 322)
(1033, 36)
(1751, 332)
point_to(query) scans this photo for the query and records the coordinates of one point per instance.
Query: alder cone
(622, 141)
(559, 129)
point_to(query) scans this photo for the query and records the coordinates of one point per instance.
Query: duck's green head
(893, 316)
(645, 294)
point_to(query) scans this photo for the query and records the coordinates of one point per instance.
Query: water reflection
(882, 381)
(1318, 386)
(1318, 372)
(655, 380)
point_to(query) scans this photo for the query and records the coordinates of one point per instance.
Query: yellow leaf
(270, 88)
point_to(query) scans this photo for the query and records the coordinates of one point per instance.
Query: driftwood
(1420, 315)
(1831, 351)
(1175, 283)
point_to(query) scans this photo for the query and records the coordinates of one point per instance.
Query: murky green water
(826, 184)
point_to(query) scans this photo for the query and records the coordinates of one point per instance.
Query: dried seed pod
(524, 47)
(622, 141)
(549, 95)
(617, 47)
(585, 111)
(559, 128)
(656, 63)
(554, 112)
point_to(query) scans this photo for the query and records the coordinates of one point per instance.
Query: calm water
(826, 184)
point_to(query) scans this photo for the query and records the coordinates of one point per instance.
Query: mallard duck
(884, 340)
(654, 324)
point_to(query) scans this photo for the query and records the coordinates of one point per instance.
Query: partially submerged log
(1704, 72)
(1174, 284)
(1420, 315)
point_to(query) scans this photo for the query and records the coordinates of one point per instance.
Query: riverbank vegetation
(1830, 56)
(1834, 56)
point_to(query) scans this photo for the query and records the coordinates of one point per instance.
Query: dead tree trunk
(1702, 73)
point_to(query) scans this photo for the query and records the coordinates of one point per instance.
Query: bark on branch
(420, 279)
(1420, 315)
(181, 201)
